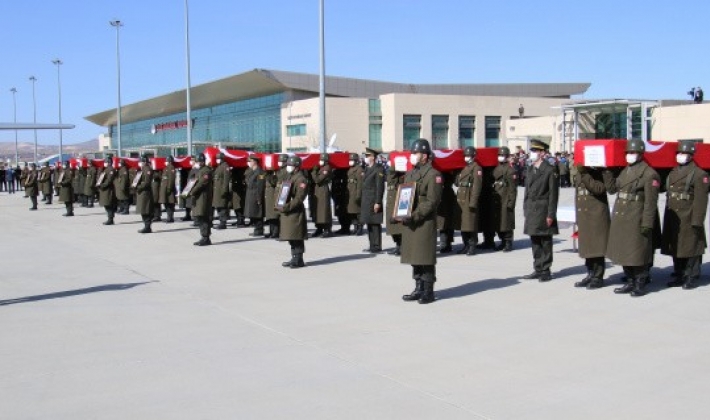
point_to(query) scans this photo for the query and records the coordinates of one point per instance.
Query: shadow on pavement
(341, 258)
(176, 230)
(238, 241)
(76, 292)
(475, 287)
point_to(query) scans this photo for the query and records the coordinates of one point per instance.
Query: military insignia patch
(302, 185)
(480, 173)
(655, 183)
(705, 180)
(205, 176)
(325, 172)
(438, 180)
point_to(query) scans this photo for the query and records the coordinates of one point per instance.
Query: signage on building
(299, 116)
(172, 125)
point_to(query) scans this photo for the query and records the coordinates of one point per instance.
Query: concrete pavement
(104, 323)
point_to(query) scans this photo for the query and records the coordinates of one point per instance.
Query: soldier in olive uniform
(503, 197)
(144, 195)
(167, 192)
(30, 184)
(23, 176)
(633, 220)
(121, 186)
(371, 210)
(239, 190)
(185, 201)
(540, 208)
(281, 175)
(202, 195)
(321, 210)
(354, 194)
(90, 186)
(270, 213)
(221, 178)
(293, 213)
(80, 176)
(254, 203)
(45, 183)
(445, 213)
(394, 179)
(107, 194)
(470, 183)
(592, 206)
(57, 172)
(131, 191)
(66, 193)
(155, 190)
(684, 218)
(419, 229)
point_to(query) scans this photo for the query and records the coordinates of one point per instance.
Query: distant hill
(26, 150)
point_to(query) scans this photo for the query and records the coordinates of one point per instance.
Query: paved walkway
(103, 323)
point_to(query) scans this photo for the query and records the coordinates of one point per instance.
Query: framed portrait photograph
(136, 179)
(101, 178)
(188, 187)
(283, 195)
(405, 200)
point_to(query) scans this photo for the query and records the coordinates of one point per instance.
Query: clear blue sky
(626, 49)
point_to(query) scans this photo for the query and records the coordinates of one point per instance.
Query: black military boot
(146, 228)
(595, 283)
(466, 245)
(471, 246)
(639, 287)
(270, 231)
(444, 244)
(318, 232)
(187, 217)
(532, 276)
(395, 251)
(326, 232)
(289, 262)
(277, 230)
(544, 276)
(508, 246)
(690, 283)
(171, 216)
(298, 261)
(416, 293)
(585, 281)
(258, 231)
(427, 295)
(204, 241)
(358, 229)
(627, 287)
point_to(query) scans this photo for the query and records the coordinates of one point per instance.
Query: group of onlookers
(10, 179)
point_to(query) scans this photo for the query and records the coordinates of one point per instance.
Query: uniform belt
(466, 184)
(499, 183)
(391, 187)
(583, 191)
(630, 196)
(352, 181)
(679, 196)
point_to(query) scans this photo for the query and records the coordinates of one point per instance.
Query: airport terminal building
(278, 111)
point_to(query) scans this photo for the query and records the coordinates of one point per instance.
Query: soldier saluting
(633, 220)
(684, 218)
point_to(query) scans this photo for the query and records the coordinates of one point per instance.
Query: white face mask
(468, 159)
(197, 166)
(631, 158)
(534, 156)
(414, 159)
(502, 159)
(682, 158)
(219, 161)
(141, 164)
(289, 169)
(279, 164)
(351, 163)
(321, 162)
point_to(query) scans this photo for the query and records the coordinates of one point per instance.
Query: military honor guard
(144, 194)
(122, 186)
(540, 209)
(90, 186)
(371, 209)
(187, 201)
(469, 182)
(293, 213)
(254, 203)
(201, 194)
(107, 193)
(349, 199)
(57, 172)
(593, 220)
(394, 179)
(270, 214)
(168, 191)
(221, 194)
(503, 196)
(66, 193)
(45, 183)
(281, 175)
(634, 219)
(30, 184)
(321, 210)
(419, 229)
(684, 217)
(155, 194)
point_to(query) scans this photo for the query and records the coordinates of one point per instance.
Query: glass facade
(254, 123)
(296, 130)
(375, 131)
(412, 125)
(440, 131)
(609, 125)
(492, 131)
(467, 131)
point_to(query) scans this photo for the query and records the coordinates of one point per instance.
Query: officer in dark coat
(254, 202)
(31, 186)
(633, 220)
(469, 182)
(502, 199)
(107, 195)
(684, 218)
(592, 217)
(90, 186)
(66, 193)
(394, 179)
(348, 207)
(371, 209)
(221, 194)
(122, 184)
(445, 213)
(45, 183)
(419, 229)
(339, 193)
(321, 210)
(239, 190)
(293, 213)
(201, 193)
(168, 190)
(540, 209)
(144, 195)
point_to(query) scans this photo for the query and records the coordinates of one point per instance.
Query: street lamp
(14, 105)
(187, 99)
(58, 63)
(322, 77)
(117, 24)
(34, 111)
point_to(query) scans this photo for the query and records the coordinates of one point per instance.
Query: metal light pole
(14, 105)
(187, 91)
(322, 78)
(117, 24)
(34, 111)
(58, 63)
